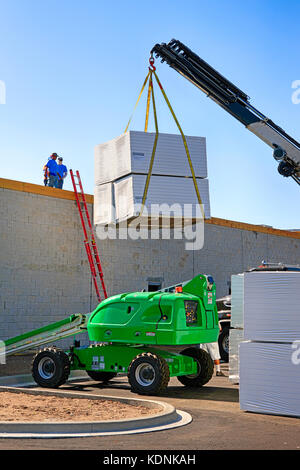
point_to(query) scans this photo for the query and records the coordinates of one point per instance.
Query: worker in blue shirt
(51, 169)
(46, 173)
(62, 172)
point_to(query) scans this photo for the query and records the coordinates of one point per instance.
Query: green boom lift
(150, 336)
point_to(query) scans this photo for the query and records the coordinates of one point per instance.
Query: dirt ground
(218, 423)
(24, 407)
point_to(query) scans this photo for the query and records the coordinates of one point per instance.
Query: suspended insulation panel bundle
(127, 194)
(131, 153)
(104, 210)
(121, 168)
(172, 191)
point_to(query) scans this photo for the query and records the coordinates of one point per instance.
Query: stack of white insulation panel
(266, 307)
(236, 334)
(121, 168)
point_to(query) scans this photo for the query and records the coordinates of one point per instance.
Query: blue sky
(73, 70)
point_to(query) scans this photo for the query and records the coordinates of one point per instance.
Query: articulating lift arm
(286, 150)
(69, 326)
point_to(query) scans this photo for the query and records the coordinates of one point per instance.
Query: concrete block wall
(44, 272)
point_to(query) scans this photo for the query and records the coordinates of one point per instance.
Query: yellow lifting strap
(148, 101)
(141, 92)
(149, 96)
(150, 90)
(184, 142)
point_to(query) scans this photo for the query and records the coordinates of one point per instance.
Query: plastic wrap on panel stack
(131, 153)
(104, 212)
(236, 325)
(124, 162)
(269, 378)
(112, 159)
(163, 195)
(272, 306)
(269, 355)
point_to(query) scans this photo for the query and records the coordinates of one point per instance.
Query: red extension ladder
(89, 237)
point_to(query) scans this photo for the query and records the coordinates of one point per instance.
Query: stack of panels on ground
(265, 306)
(269, 378)
(272, 306)
(121, 168)
(270, 351)
(131, 153)
(236, 334)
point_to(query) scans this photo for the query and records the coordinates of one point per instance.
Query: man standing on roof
(62, 172)
(51, 168)
(46, 174)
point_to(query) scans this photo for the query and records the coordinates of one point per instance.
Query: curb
(26, 380)
(168, 418)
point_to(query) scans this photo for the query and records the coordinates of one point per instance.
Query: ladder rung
(90, 244)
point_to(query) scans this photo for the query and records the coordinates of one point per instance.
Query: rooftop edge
(69, 195)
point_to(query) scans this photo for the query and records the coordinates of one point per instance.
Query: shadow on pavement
(225, 394)
(204, 393)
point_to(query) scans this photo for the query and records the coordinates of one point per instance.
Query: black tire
(50, 367)
(223, 341)
(205, 368)
(101, 376)
(148, 374)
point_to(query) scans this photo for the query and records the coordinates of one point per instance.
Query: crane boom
(286, 150)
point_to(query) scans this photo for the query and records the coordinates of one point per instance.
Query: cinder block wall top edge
(41, 190)
(69, 195)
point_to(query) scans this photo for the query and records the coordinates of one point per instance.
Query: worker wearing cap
(51, 168)
(62, 172)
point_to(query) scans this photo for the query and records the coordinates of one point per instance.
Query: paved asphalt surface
(218, 423)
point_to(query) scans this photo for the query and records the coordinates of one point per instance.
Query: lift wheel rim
(145, 374)
(46, 368)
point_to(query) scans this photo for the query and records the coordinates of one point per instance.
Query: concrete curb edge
(168, 418)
